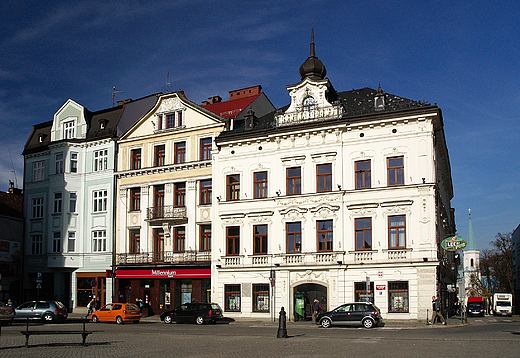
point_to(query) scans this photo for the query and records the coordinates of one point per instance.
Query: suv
(199, 313)
(357, 313)
(44, 310)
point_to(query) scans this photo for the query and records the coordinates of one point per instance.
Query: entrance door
(309, 292)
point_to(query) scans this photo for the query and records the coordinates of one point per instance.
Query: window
(179, 193)
(99, 241)
(56, 242)
(38, 168)
(37, 208)
(170, 120)
(205, 192)
(158, 244)
(179, 119)
(309, 106)
(233, 187)
(58, 203)
(205, 237)
(73, 198)
(260, 239)
(395, 171)
(398, 301)
(232, 240)
(71, 241)
(362, 294)
(135, 199)
(180, 152)
(179, 239)
(100, 201)
(37, 244)
(100, 160)
(363, 174)
(323, 178)
(135, 159)
(73, 162)
(60, 164)
(260, 182)
(205, 148)
(261, 298)
(324, 230)
(294, 179)
(158, 201)
(135, 240)
(159, 155)
(397, 232)
(294, 237)
(364, 234)
(68, 130)
(232, 293)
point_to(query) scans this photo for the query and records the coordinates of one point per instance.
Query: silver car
(44, 310)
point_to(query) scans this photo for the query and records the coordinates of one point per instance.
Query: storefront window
(232, 298)
(361, 292)
(164, 295)
(261, 298)
(398, 297)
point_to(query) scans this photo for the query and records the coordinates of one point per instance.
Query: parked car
(117, 312)
(357, 313)
(44, 310)
(476, 309)
(199, 313)
(6, 312)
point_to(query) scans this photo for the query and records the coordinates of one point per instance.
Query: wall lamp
(278, 192)
(339, 187)
(219, 198)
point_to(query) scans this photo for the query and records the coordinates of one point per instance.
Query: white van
(503, 304)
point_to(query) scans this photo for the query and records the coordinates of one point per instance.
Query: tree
(496, 264)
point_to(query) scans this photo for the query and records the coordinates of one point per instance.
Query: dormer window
(309, 106)
(41, 137)
(103, 123)
(68, 129)
(379, 99)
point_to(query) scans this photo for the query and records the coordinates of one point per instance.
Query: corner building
(340, 196)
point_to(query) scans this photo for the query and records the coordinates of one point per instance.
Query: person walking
(316, 309)
(436, 307)
(91, 306)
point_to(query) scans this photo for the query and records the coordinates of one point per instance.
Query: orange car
(117, 312)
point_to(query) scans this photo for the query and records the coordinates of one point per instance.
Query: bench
(84, 334)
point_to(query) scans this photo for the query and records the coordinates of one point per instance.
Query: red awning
(164, 273)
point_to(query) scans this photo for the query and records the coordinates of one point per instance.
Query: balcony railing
(167, 212)
(170, 257)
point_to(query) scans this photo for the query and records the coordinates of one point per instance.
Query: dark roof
(11, 205)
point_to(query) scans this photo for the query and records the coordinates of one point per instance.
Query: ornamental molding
(315, 199)
(295, 160)
(325, 211)
(308, 276)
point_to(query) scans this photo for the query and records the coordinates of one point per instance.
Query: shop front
(163, 289)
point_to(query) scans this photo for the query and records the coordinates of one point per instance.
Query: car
(356, 313)
(117, 312)
(44, 310)
(476, 309)
(196, 312)
(6, 313)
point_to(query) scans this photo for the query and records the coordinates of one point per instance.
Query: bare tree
(496, 264)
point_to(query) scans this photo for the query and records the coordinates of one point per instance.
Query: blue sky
(462, 55)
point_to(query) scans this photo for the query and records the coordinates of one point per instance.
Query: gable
(69, 122)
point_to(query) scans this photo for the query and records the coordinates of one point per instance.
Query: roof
(230, 109)
(11, 204)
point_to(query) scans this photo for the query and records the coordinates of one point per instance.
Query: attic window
(379, 102)
(41, 137)
(102, 123)
(309, 106)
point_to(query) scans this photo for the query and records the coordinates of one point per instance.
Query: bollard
(282, 325)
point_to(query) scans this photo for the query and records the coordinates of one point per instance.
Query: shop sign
(453, 243)
(164, 273)
(380, 287)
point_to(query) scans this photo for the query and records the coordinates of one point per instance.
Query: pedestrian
(9, 302)
(90, 307)
(317, 307)
(436, 307)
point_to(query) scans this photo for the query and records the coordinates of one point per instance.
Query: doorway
(304, 296)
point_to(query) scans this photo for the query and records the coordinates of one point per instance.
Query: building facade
(68, 201)
(340, 196)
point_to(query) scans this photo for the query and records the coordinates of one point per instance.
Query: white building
(342, 196)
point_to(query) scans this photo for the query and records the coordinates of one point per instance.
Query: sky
(461, 55)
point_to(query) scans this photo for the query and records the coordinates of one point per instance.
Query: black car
(476, 309)
(356, 313)
(44, 310)
(199, 313)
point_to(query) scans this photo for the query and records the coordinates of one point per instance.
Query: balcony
(164, 257)
(167, 213)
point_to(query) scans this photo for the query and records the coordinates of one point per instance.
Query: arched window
(309, 106)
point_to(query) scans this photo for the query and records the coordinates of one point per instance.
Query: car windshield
(215, 306)
(503, 303)
(132, 307)
(475, 305)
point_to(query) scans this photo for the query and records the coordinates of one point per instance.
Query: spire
(313, 67)
(313, 46)
(471, 237)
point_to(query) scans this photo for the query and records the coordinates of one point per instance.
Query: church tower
(471, 264)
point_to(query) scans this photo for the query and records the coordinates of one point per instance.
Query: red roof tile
(230, 109)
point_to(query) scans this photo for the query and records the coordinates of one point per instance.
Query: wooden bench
(84, 334)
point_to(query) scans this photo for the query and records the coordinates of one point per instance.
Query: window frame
(135, 159)
(323, 180)
(363, 230)
(71, 241)
(402, 227)
(205, 148)
(73, 201)
(398, 287)
(135, 199)
(57, 203)
(159, 155)
(361, 174)
(205, 192)
(37, 208)
(205, 238)
(179, 194)
(74, 162)
(69, 128)
(328, 242)
(100, 160)
(260, 185)
(297, 236)
(38, 170)
(293, 182)
(179, 239)
(180, 152)
(56, 242)
(99, 241)
(37, 244)
(134, 236)
(100, 201)
(261, 290)
(60, 163)
(233, 188)
(232, 291)
(232, 241)
(260, 239)
(395, 174)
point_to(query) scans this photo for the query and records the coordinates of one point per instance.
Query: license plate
(133, 312)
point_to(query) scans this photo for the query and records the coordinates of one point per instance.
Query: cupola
(313, 67)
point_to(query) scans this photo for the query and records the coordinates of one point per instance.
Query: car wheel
(168, 319)
(95, 319)
(199, 320)
(368, 323)
(326, 322)
(48, 317)
(119, 320)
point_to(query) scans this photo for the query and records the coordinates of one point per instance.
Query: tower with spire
(471, 264)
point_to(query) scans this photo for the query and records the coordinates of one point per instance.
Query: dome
(313, 67)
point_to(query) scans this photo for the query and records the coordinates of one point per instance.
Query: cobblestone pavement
(490, 338)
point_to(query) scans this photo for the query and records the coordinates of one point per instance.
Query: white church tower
(471, 264)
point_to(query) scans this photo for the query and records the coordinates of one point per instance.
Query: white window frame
(58, 203)
(38, 170)
(100, 201)
(56, 242)
(99, 241)
(71, 241)
(37, 208)
(73, 202)
(100, 160)
(69, 129)
(37, 244)
(73, 162)
(60, 163)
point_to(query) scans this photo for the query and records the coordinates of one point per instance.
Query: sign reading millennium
(453, 243)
